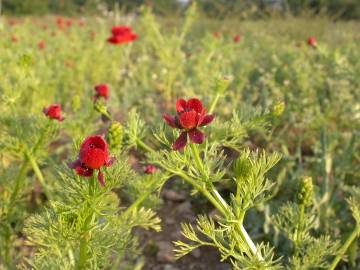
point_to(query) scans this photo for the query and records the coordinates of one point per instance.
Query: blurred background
(242, 9)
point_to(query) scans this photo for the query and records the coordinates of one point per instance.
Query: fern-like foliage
(87, 213)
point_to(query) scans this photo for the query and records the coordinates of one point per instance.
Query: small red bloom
(14, 39)
(190, 116)
(60, 22)
(69, 23)
(122, 34)
(237, 38)
(93, 155)
(150, 169)
(102, 90)
(53, 112)
(42, 45)
(312, 42)
(217, 35)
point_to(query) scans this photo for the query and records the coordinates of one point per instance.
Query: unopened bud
(278, 109)
(115, 136)
(222, 83)
(306, 192)
(242, 167)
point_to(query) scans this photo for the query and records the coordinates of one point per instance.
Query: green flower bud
(242, 167)
(306, 192)
(222, 83)
(278, 109)
(115, 136)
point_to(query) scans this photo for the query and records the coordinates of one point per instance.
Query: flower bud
(222, 83)
(278, 109)
(306, 192)
(242, 167)
(115, 136)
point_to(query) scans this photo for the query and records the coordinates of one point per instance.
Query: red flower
(312, 42)
(60, 22)
(122, 34)
(54, 112)
(190, 116)
(42, 45)
(217, 35)
(102, 90)
(93, 155)
(69, 23)
(14, 39)
(150, 169)
(237, 38)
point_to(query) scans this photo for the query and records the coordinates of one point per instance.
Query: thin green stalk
(214, 103)
(299, 229)
(144, 146)
(83, 254)
(20, 177)
(215, 199)
(240, 228)
(38, 173)
(135, 204)
(18, 181)
(198, 161)
(355, 233)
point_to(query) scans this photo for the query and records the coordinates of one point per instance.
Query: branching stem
(355, 233)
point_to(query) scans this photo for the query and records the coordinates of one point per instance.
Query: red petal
(110, 162)
(170, 120)
(180, 105)
(101, 179)
(200, 117)
(93, 142)
(120, 30)
(207, 120)
(181, 142)
(75, 164)
(194, 104)
(196, 136)
(94, 158)
(84, 171)
(188, 120)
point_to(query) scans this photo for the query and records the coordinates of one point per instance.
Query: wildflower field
(139, 142)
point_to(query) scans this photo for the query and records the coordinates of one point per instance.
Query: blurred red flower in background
(69, 23)
(150, 169)
(14, 39)
(53, 112)
(42, 45)
(93, 155)
(102, 90)
(312, 42)
(237, 38)
(217, 34)
(190, 116)
(60, 22)
(122, 34)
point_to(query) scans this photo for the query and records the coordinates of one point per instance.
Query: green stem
(38, 173)
(299, 230)
(214, 103)
(18, 182)
(139, 201)
(83, 253)
(198, 160)
(214, 197)
(144, 146)
(345, 247)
